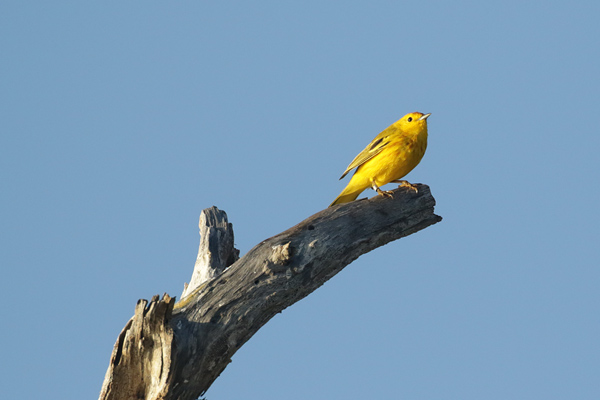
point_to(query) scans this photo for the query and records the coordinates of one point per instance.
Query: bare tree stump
(176, 351)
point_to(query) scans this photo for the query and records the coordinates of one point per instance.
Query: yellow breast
(400, 157)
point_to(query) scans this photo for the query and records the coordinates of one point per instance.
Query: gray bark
(174, 350)
(216, 250)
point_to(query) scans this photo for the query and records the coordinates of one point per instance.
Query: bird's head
(414, 122)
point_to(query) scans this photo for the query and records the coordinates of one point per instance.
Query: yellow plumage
(390, 156)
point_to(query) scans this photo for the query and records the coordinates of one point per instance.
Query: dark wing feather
(371, 150)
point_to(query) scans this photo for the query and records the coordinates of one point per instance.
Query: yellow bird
(390, 156)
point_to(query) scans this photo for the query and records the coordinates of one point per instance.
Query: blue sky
(122, 121)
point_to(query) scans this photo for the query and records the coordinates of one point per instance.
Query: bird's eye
(409, 119)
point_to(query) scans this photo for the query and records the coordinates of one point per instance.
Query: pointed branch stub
(216, 251)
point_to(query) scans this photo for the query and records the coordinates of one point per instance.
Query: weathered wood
(216, 318)
(216, 251)
(142, 356)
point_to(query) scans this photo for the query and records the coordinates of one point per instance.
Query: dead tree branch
(176, 351)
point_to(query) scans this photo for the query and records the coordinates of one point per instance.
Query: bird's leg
(406, 184)
(384, 193)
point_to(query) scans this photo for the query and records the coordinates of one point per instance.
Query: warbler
(390, 156)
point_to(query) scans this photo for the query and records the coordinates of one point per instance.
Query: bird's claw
(385, 193)
(408, 185)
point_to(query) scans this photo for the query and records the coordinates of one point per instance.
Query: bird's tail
(345, 197)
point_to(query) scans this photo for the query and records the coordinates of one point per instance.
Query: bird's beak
(424, 117)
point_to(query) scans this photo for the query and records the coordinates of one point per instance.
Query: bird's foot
(407, 184)
(385, 193)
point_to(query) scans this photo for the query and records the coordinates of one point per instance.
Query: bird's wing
(374, 148)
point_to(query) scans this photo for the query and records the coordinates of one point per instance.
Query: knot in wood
(281, 254)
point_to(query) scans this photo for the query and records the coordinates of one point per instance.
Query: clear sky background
(120, 122)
